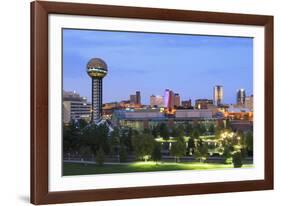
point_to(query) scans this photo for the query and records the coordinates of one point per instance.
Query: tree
(100, 157)
(202, 129)
(101, 135)
(218, 133)
(155, 131)
(122, 153)
(85, 151)
(211, 129)
(71, 138)
(227, 153)
(163, 131)
(87, 133)
(181, 128)
(191, 145)
(237, 159)
(201, 151)
(146, 131)
(178, 148)
(175, 132)
(82, 123)
(249, 142)
(88, 138)
(195, 133)
(156, 153)
(114, 141)
(188, 128)
(126, 138)
(143, 145)
(67, 139)
(96, 136)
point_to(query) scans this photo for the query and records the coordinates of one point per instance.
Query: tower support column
(96, 99)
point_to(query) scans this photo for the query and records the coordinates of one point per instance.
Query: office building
(218, 95)
(75, 107)
(203, 103)
(169, 99)
(148, 118)
(177, 100)
(156, 101)
(135, 99)
(241, 97)
(249, 102)
(186, 104)
(238, 113)
(138, 97)
(193, 114)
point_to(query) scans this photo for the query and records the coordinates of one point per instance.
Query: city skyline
(193, 101)
(147, 67)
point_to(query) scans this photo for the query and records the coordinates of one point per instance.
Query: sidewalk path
(93, 162)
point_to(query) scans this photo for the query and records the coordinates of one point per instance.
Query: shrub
(237, 160)
(156, 153)
(123, 154)
(100, 156)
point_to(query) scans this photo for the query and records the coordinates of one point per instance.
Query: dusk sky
(151, 62)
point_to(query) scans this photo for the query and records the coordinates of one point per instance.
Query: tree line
(97, 141)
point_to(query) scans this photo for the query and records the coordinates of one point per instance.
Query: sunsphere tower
(97, 70)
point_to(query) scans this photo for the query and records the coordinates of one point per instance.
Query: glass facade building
(241, 97)
(218, 95)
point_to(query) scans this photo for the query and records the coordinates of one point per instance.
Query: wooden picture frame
(39, 102)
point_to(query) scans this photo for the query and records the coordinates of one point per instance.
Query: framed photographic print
(131, 102)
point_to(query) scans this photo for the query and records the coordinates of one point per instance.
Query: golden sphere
(97, 68)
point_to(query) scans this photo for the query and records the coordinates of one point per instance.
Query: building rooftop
(73, 96)
(156, 114)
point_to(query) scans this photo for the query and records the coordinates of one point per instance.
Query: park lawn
(85, 169)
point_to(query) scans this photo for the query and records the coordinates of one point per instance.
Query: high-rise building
(177, 100)
(186, 104)
(156, 101)
(241, 97)
(169, 99)
(218, 95)
(75, 107)
(133, 99)
(166, 97)
(138, 97)
(249, 102)
(97, 70)
(203, 103)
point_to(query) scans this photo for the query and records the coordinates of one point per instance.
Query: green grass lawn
(84, 169)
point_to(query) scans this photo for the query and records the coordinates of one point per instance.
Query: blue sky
(151, 62)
